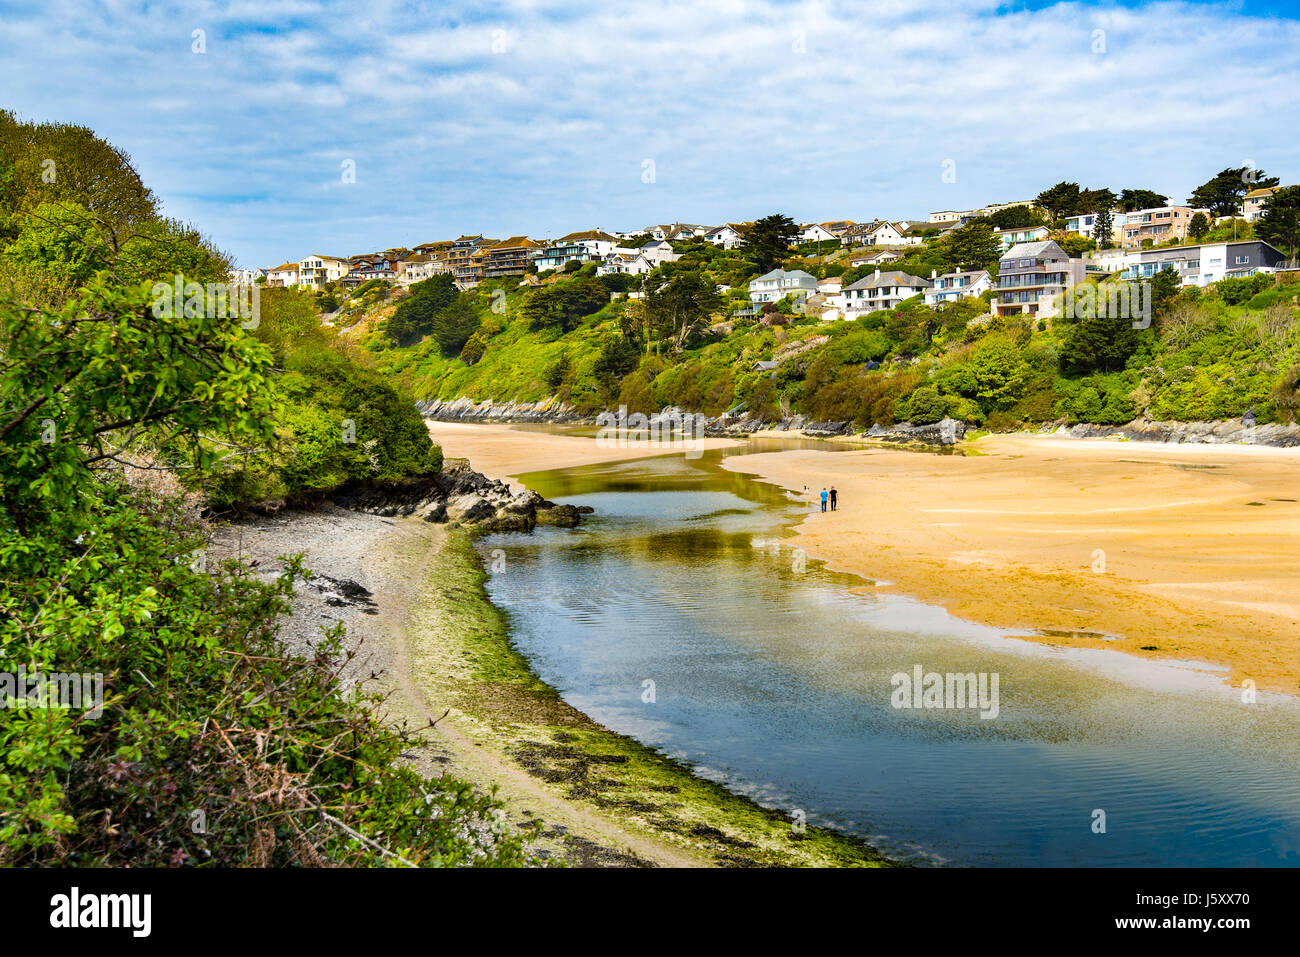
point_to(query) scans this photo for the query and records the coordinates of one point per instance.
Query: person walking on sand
(823, 498)
(833, 498)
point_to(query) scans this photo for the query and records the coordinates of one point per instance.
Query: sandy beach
(1189, 552)
(502, 451)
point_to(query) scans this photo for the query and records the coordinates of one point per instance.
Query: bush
(926, 406)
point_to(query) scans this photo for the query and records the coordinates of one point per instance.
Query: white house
(777, 284)
(283, 275)
(728, 236)
(591, 245)
(830, 286)
(317, 270)
(881, 291)
(951, 286)
(877, 258)
(877, 233)
(1023, 234)
(816, 233)
(245, 277)
(637, 261)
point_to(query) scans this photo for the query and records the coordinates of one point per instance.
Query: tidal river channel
(771, 675)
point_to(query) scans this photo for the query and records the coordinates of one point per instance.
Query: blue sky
(519, 116)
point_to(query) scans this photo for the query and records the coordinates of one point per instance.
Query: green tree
(564, 304)
(453, 325)
(1103, 227)
(1199, 226)
(680, 307)
(1131, 199)
(1059, 201)
(413, 318)
(1280, 223)
(769, 240)
(1099, 344)
(972, 246)
(1222, 194)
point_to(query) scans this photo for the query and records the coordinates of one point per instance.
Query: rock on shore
(465, 497)
(944, 433)
(1209, 433)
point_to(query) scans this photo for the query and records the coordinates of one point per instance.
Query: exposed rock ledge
(467, 410)
(1209, 433)
(946, 432)
(465, 497)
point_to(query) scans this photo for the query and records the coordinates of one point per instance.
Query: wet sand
(501, 450)
(1185, 552)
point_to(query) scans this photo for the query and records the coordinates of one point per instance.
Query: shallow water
(771, 676)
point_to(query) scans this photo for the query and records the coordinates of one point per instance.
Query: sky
(283, 128)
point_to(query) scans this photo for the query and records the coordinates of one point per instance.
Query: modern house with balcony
(1154, 226)
(592, 245)
(951, 286)
(1023, 234)
(1031, 275)
(510, 257)
(1206, 263)
(316, 270)
(466, 258)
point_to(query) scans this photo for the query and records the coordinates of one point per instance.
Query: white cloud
(820, 108)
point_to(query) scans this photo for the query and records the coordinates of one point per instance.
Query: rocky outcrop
(467, 410)
(945, 432)
(1231, 432)
(461, 496)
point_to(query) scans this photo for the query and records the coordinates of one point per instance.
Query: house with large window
(316, 270)
(779, 283)
(510, 257)
(1154, 226)
(1030, 275)
(881, 290)
(1203, 264)
(951, 286)
(591, 245)
(1023, 234)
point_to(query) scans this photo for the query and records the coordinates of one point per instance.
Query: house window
(1242, 260)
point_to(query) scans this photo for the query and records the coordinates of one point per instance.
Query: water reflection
(773, 677)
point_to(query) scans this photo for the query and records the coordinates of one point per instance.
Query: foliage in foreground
(210, 744)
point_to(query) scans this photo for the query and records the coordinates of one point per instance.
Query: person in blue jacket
(824, 498)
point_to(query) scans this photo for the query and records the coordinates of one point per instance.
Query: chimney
(934, 274)
(877, 272)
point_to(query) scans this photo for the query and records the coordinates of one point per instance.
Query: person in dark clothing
(834, 497)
